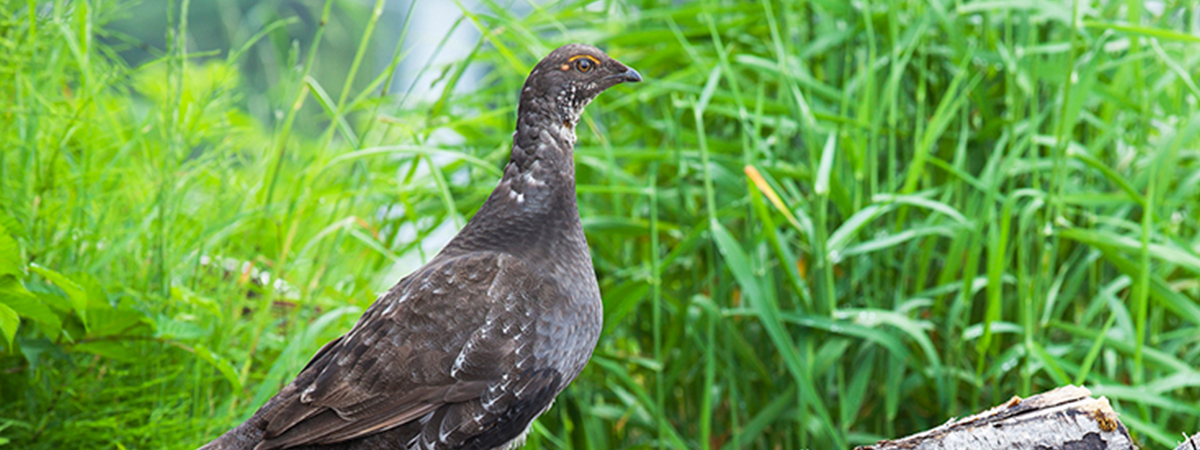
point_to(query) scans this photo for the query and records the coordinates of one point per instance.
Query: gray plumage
(466, 351)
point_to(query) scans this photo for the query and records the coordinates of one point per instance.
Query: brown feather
(465, 352)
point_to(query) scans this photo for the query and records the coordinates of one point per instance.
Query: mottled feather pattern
(468, 350)
(455, 353)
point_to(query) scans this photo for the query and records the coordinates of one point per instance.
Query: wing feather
(445, 335)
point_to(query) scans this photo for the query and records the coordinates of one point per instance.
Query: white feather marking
(496, 278)
(460, 360)
(490, 403)
(443, 433)
(392, 305)
(528, 179)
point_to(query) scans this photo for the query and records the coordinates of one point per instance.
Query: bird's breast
(573, 327)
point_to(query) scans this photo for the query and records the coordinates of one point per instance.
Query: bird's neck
(543, 146)
(535, 199)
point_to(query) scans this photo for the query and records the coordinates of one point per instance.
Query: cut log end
(1192, 443)
(1064, 418)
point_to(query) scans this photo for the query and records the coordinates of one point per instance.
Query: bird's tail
(243, 437)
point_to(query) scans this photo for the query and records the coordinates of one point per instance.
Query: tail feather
(243, 437)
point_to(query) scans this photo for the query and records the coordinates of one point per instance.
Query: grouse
(467, 350)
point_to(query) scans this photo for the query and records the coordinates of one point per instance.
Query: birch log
(1064, 418)
(1192, 443)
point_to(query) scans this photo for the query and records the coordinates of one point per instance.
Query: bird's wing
(451, 346)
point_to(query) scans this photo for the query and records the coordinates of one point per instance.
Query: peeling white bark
(1064, 418)
(1192, 443)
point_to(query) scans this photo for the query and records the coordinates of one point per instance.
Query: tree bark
(1064, 418)
(1192, 443)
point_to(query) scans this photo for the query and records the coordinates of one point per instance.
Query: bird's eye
(583, 65)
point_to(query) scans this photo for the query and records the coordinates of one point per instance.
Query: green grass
(815, 225)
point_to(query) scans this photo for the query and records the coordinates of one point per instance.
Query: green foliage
(816, 224)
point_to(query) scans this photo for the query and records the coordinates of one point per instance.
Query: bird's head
(570, 77)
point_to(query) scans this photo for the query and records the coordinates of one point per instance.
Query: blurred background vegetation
(817, 223)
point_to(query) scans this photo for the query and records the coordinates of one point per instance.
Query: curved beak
(631, 76)
(628, 76)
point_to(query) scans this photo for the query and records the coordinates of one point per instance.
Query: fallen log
(1192, 443)
(1064, 418)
